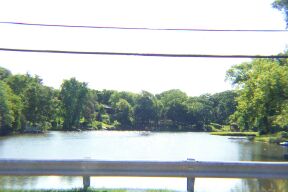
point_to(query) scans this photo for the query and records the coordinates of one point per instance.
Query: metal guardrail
(189, 169)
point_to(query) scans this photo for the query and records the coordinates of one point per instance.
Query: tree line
(27, 104)
(259, 103)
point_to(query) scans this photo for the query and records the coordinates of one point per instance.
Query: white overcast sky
(195, 76)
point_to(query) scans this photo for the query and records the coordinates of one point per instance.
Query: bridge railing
(189, 169)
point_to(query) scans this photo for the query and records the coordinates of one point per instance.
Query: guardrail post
(190, 181)
(86, 182)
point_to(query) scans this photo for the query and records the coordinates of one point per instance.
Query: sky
(195, 76)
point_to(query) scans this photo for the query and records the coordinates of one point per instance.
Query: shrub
(284, 134)
(216, 125)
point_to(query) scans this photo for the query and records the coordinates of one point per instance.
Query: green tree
(262, 96)
(168, 97)
(116, 96)
(199, 111)
(282, 5)
(10, 110)
(73, 95)
(146, 111)
(224, 105)
(55, 113)
(4, 73)
(104, 96)
(90, 109)
(124, 114)
(37, 100)
(40, 108)
(178, 113)
(173, 107)
(20, 83)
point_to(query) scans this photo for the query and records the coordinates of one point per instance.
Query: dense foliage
(262, 104)
(26, 105)
(259, 104)
(73, 95)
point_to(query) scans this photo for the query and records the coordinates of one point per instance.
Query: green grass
(271, 138)
(229, 133)
(52, 190)
(225, 128)
(268, 138)
(263, 138)
(80, 190)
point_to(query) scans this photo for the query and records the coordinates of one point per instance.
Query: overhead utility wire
(143, 54)
(144, 28)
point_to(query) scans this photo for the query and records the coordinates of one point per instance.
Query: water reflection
(113, 145)
(262, 185)
(17, 182)
(43, 182)
(261, 152)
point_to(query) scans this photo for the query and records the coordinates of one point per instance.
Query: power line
(143, 28)
(143, 54)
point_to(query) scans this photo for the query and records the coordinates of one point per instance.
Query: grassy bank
(267, 138)
(273, 138)
(239, 134)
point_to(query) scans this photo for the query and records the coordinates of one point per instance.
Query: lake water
(116, 145)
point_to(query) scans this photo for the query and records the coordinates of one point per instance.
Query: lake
(134, 145)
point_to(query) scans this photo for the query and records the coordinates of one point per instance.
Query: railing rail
(189, 169)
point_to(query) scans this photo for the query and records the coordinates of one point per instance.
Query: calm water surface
(116, 145)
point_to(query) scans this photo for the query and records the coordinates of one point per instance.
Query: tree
(146, 111)
(90, 108)
(104, 96)
(199, 111)
(55, 114)
(39, 110)
(73, 95)
(20, 83)
(263, 95)
(224, 105)
(124, 114)
(10, 110)
(4, 73)
(239, 74)
(282, 5)
(178, 113)
(174, 107)
(116, 96)
(38, 101)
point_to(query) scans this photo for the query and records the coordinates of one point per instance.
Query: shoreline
(275, 138)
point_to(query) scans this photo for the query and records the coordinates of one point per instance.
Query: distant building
(108, 109)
